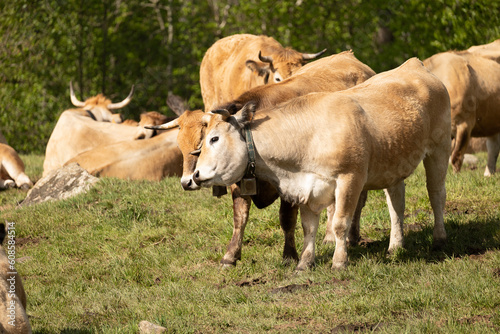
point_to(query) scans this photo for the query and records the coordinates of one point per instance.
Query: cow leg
(396, 202)
(347, 194)
(329, 234)
(288, 221)
(461, 143)
(493, 147)
(241, 208)
(310, 222)
(436, 166)
(353, 237)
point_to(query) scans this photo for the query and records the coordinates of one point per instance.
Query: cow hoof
(339, 266)
(25, 187)
(8, 184)
(290, 256)
(438, 244)
(227, 264)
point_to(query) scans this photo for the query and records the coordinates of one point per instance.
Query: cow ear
(261, 71)
(245, 115)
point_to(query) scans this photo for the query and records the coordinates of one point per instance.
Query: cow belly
(307, 188)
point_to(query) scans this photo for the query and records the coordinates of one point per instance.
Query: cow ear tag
(219, 191)
(248, 187)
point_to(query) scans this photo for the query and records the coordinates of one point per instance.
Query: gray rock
(61, 183)
(146, 327)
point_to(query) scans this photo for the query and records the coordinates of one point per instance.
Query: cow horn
(74, 100)
(265, 59)
(309, 56)
(166, 126)
(124, 102)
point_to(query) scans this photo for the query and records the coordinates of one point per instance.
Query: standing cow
(334, 73)
(325, 148)
(237, 63)
(472, 78)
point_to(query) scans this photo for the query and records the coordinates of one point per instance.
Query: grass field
(129, 251)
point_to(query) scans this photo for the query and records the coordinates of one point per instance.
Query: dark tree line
(157, 45)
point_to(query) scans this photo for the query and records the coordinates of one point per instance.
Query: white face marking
(223, 157)
(277, 77)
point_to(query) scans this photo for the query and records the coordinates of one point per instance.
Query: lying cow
(472, 78)
(82, 129)
(13, 317)
(325, 148)
(237, 63)
(12, 169)
(149, 159)
(332, 73)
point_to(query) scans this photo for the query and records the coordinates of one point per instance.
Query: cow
(472, 78)
(13, 317)
(12, 173)
(91, 125)
(332, 73)
(148, 159)
(237, 63)
(328, 147)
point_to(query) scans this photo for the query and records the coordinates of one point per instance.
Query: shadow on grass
(472, 238)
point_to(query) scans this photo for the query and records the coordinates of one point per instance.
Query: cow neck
(250, 171)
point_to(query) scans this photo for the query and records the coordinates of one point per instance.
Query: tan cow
(149, 159)
(332, 73)
(13, 317)
(79, 130)
(473, 81)
(12, 169)
(325, 148)
(237, 63)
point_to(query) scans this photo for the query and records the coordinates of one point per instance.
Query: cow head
(279, 65)
(100, 107)
(191, 132)
(150, 118)
(223, 155)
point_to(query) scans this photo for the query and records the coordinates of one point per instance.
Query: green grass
(130, 251)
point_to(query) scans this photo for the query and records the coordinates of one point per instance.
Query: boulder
(61, 183)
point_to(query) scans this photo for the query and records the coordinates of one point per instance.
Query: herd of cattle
(324, 131)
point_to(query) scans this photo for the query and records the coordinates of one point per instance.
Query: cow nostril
(196, 176)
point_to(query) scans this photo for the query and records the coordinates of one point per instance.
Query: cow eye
(213, 140)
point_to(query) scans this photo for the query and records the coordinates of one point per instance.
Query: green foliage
(107, 46)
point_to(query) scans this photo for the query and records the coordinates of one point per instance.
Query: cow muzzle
(188, 183)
